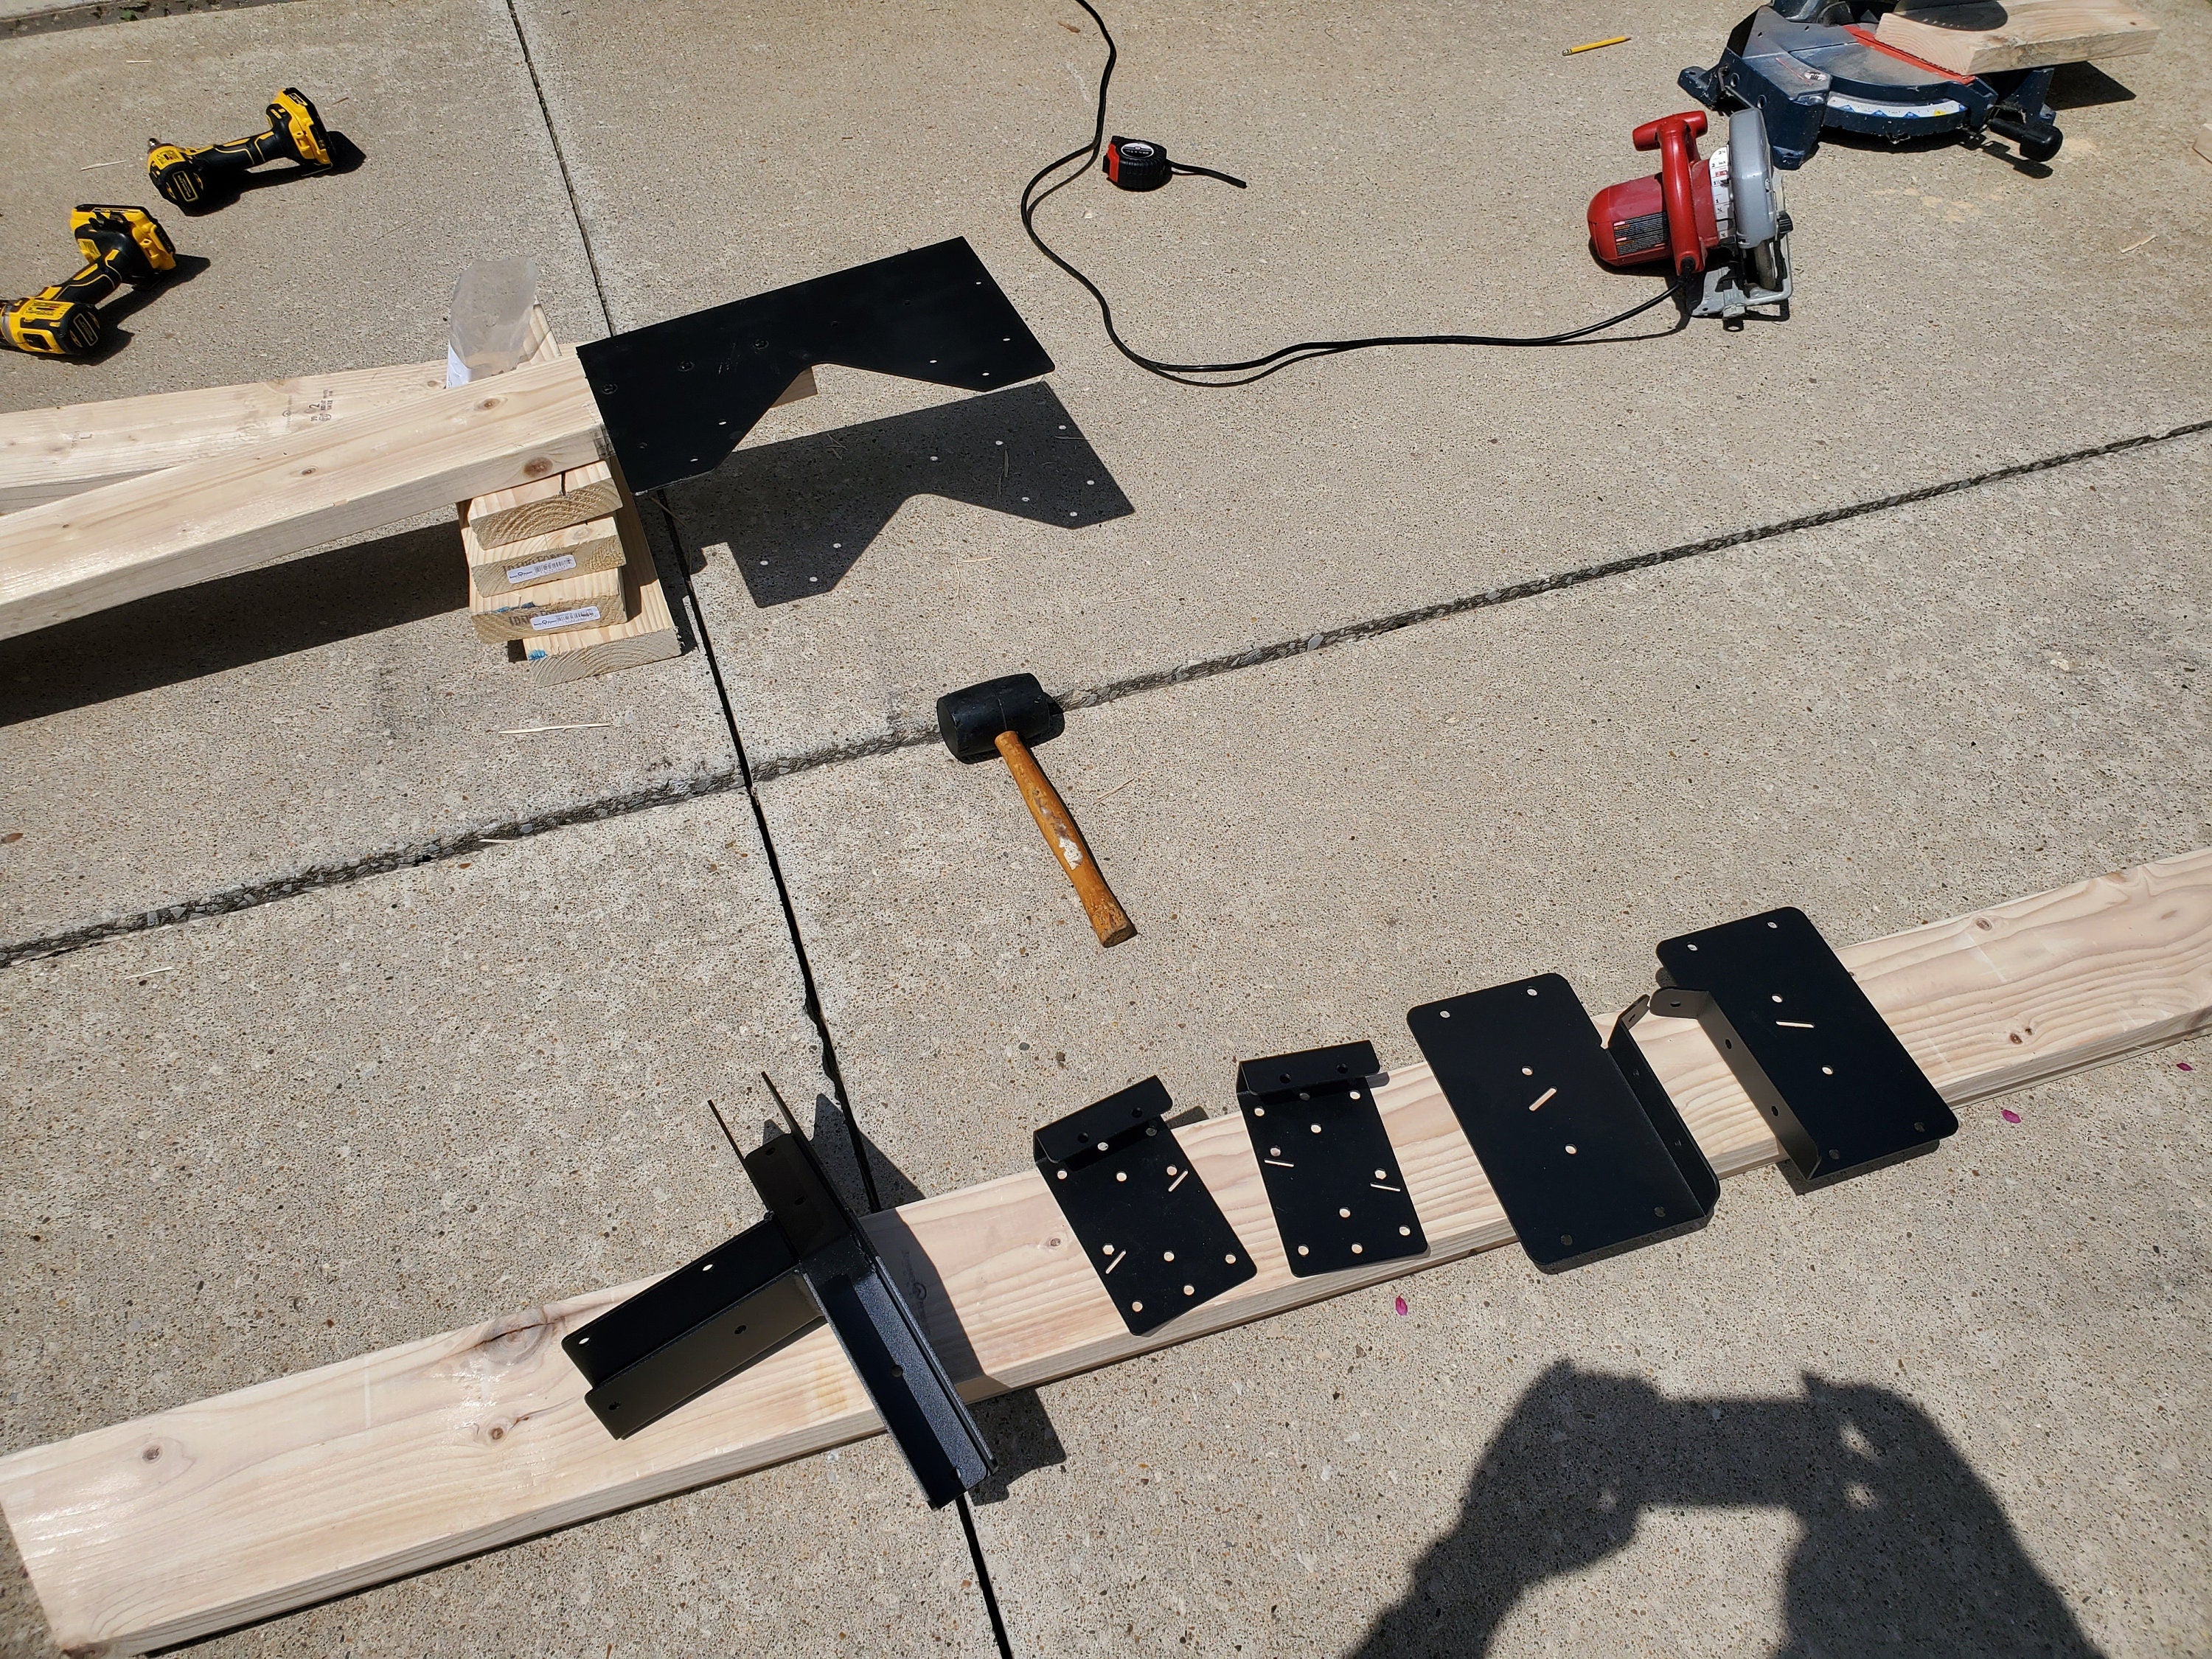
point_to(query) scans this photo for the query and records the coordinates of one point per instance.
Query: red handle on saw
(1675, 138)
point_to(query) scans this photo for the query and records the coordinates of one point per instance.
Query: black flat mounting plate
(1158, 1241)
(698, 1326)
(1840, 1091)
(676, 397)
(1333, 1178)
(1580, 1170)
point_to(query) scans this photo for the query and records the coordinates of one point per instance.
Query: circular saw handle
(1675, 138)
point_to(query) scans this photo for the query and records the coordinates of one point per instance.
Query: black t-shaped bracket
(809, 1262)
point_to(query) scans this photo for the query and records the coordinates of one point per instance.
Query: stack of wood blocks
(559, 570)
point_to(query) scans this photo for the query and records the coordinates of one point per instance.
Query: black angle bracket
(676, 397)
(1332, 1175)
(1581, 1143)
(809, 1262)
(1158, 1241)
(1839, 1091)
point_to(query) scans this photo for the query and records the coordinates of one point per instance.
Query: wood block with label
(546, 505)
(580, 548)
(649, 634)
(593, 600)
(1985, 37)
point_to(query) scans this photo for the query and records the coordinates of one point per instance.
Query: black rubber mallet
(1002, 718)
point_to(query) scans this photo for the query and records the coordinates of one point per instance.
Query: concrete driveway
(355, 988)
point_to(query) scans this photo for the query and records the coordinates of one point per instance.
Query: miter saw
(1806, 64)
(1718, 217)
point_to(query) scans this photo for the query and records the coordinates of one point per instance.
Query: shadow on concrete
(797, 515)
(232, 622)
(2083, 86)
(128, 301)
(1015, 1426)
(1903, 1551)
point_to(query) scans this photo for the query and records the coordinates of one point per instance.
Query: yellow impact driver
(120, 245)
(294, 134)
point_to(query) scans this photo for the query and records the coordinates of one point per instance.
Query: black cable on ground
(1258, 369)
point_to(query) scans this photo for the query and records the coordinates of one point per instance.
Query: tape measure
(1136, 163)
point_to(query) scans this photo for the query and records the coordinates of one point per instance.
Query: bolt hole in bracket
(1147, 1225)
(1836, 1087)
(745, 1299)
(1332, 1175)
(1584, 1149)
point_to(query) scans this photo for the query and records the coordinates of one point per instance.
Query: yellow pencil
(1592, 46)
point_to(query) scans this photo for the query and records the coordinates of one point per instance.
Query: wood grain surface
(303, 1487)
(188, 524)
(1983, 37)
(648, 636)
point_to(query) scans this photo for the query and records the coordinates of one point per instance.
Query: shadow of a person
(1904, 1550)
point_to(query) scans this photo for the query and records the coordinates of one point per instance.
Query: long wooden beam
(188, 524)
(287, 1492)
(46, 454)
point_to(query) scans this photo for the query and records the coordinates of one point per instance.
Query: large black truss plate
(1332, 1175)
(1149, 1228)
(676, 397)
(1581, 1171)
(1839, 1091)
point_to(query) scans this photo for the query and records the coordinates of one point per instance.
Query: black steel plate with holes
(775, 1281)
(1332, 1175)
(676, 397)
(1840, 1091)
(1579, 1168)
(906, 1382)
(1149, 1228)
(699, 1327)
(1659, 1106)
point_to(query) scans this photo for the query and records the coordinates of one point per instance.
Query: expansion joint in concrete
(314, 877)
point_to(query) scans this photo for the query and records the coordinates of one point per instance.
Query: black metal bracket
(1583, 1146)
(676, 397)
(809, 1262)
(1839, 1091)
(1332, 1175)
(1149, 1228)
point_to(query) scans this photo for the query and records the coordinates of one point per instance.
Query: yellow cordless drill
(294, 134)
(120, 245)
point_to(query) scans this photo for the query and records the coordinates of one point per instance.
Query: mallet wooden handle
(1107, 919)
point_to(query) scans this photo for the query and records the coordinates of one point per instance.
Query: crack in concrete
(91, 13)
(912, 733)
(316, 878)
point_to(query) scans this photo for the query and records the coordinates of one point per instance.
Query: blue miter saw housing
(1808, 65)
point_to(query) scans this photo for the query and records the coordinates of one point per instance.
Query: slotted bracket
(1584, 1148)
(809, 1262)
(676, 397)
(1332, 1175)
(1839, 1091)
(1149, 1228)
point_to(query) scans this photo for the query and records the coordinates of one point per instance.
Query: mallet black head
(970, 720)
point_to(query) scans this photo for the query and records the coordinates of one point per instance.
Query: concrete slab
(1884, 721)
(1409, 172)
(257, 1143)
(333, 710)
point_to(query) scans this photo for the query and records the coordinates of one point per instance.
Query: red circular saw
(1719, 216)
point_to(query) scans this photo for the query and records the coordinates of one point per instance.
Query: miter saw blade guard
(1808, 65)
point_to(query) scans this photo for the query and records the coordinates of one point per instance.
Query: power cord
(1257, 368)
